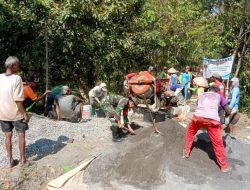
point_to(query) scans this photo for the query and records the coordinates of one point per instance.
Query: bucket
(100, 113)
(86, 112)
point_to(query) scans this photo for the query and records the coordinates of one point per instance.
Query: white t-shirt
(11, 90)
(97, 92)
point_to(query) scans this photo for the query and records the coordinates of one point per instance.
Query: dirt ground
(150, 161)
(40, 172)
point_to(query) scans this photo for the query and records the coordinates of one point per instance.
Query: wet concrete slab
(150, 161)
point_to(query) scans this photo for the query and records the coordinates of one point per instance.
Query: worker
(29, 95)
(206, 116)
(164, 73)
(49, 103)
(96, 95)
(233, 99)
(174, 86)
(217, 81)
(126, 86)
(185, 81)
(199, 86)
(113, 106)
(150, 70)
(68, 106)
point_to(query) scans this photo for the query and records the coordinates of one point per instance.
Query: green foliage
(102, 40)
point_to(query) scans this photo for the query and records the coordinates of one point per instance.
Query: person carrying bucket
(96, 95)
(113, 106)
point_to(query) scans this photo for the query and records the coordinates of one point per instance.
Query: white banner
(221, 66)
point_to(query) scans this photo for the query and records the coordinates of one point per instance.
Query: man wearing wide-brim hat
(172, 71)
(201, 84)
(174, 86)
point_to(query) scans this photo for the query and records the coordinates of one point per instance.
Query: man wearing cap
(113, 106)
(216, 81)
(206, 116)
(12, 113)
(29, 95)
(96, 95)
(150, 70)
(68, 107)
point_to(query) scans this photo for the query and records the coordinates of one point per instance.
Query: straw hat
(201, 81)
(172, 71)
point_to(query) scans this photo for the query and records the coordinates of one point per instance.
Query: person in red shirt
(216, 80)
(29, 95)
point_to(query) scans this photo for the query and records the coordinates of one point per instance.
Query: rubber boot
(121, 133)
(115, 134)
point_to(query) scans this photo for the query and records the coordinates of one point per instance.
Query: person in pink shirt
(206, 116)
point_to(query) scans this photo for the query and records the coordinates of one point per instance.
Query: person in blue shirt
(185, 81)
(233, 99)
(174, 86)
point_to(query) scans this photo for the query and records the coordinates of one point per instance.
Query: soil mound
(150, 161)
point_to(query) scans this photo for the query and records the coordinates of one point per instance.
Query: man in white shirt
(12, 113)
(96, 95)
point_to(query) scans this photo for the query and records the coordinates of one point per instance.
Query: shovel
(29, 108)
(152, 118)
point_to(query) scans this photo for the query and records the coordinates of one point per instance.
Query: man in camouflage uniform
(113, 106)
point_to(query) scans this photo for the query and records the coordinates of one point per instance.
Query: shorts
(8, 126)
(75, 115)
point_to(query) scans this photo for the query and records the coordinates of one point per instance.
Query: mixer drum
(142, 90)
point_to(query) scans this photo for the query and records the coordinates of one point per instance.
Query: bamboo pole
(47, 54)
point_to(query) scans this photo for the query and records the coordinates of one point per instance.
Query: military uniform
(113, 106)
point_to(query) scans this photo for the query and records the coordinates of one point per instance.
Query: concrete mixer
(157, 97)
(155, 92)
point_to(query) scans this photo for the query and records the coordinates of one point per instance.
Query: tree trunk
(246, 42)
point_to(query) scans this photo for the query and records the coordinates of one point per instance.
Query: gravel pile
(47, 136)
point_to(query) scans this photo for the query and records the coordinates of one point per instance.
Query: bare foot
(22, 162)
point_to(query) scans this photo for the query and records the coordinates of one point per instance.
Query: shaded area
(43, 147)
(149, 161)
